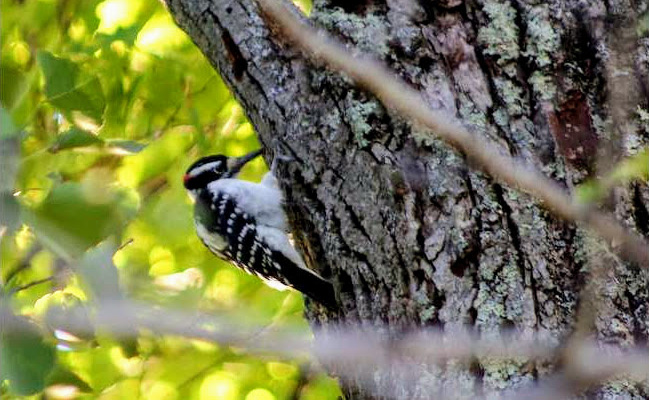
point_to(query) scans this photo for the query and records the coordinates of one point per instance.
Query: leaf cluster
(103, 105)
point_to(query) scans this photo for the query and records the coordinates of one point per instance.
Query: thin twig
(399, 96)
(24, 262)
(123, 245)
(31, 284)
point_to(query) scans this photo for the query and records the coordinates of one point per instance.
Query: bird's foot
(280, 155)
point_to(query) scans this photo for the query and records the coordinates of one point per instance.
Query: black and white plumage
(244, 223)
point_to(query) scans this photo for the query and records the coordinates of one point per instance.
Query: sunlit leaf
(25, 358)
(156, 158)
(60, 74)
(124, 102)
(9, 209)
(219, 386)
(7, 127)
(322, 387)
(75, 137)
(9, 156)
(162, 86)
(67, 89)
(127, 146)
(9, 213)
(633, 168)
(71, 221)
(98, 272)
(589, 192)
(101, 280)
(126, 35)
(57, 303)
(94, 366)
(63, 376)
(115, 14)
(160, 35)
(14, 85)
(181, 366)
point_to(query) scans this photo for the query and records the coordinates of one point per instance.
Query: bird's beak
(235, 164)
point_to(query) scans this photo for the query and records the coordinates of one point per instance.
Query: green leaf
(629, 169)
(7, 127)
(66, 88)
(73, 138)
(162, 86)
(74, 217)
(156, 158)
(9, 212)
(94, 366)
(15, 84)
(634, 167)
(127, 146)
(642, 28)
(63, 376)
(127, 35)
(50, 307)
(9, 156)
(25, 358)
(60, 73)
(100, 278)
(9, 209)
(98, 272)
(589, 192)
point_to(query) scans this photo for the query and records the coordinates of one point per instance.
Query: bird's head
(210, 168)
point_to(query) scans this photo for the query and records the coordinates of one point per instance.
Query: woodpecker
(244, 223)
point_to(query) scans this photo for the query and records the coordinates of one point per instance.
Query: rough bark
(411, 235)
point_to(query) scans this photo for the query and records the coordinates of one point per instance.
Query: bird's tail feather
(309, 283)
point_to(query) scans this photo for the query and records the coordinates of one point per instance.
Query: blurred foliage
(634, 168)
(642, 28)
(104, 104)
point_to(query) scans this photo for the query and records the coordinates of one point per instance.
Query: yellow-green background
(104, 105)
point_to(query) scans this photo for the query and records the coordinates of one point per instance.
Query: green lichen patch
(504, 374)
(643, 118)
(541, 38)
(358, 115)
(470, 115)
(500, 37)
(543, 86)
(511, 95)
(368, 32)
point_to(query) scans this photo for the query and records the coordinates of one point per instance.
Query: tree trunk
(409, 233)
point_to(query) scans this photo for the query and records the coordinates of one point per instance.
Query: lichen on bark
(410, 234)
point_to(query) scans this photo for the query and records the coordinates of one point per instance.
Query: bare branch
(31, 284)
(361, 353)
(24, 263)
(123, 318)
(399, 96)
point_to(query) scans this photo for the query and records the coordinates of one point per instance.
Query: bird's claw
(279, 156)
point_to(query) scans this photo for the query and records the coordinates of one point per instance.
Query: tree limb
(399, 96)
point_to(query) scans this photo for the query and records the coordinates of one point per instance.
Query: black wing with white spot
(231, 233)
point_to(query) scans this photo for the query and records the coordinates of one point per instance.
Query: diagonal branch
(399, 96)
